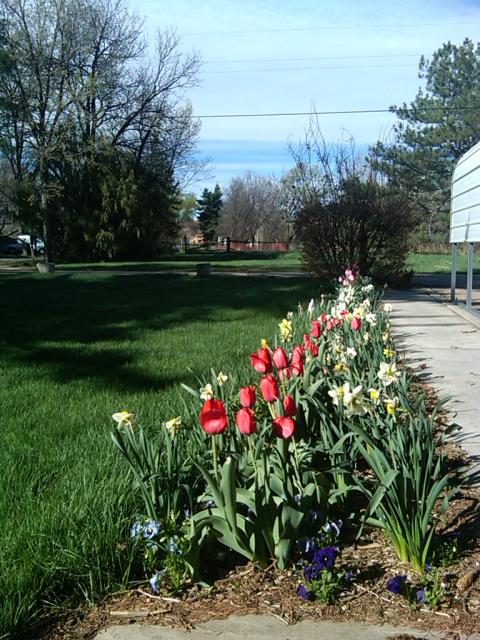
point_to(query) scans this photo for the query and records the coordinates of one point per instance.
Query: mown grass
(438, 262)
(74, 349)
(220, 261)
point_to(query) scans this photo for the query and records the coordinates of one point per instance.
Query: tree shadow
(78, 326)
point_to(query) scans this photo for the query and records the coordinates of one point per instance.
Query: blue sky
(264, 56)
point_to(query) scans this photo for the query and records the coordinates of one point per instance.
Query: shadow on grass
(79, 326)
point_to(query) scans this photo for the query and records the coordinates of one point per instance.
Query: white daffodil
(371, 318)
(206, 392)
(388, 373)
(366, 288)
(387, 307)
(222, 378)
(351, 352)
(354, 401)
(366, 336)
(289, 315)
(311, 306)
(338, 393)
(124, 419)
(173, 425)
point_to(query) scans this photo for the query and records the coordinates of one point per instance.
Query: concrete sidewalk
(269, 628)
(447, 339)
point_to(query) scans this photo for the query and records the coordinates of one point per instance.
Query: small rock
(466, 581)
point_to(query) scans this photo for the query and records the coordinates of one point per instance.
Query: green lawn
(75, 348)
(220, 261)
(438, 262)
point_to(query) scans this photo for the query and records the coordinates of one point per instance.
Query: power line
(349, 66)
(382, 56)
(333, 28)
(325, 113)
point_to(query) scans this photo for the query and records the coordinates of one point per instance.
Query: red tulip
(262, 361)
(213, 416)
(316, 329)
(280, 358)
(306, 338)
(269, 387)
(283, 426)
(245, 420)
(284, 374)
(289, 406)
(356, 323)
(323, 317)
(329, 325)
(248, 396)
(313, 349)
(297, 354)
(297, 368)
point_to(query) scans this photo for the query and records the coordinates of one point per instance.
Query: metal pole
(469, 274)
(453, 282)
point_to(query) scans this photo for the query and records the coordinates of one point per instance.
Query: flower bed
(332, 442)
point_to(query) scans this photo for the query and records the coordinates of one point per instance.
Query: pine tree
(208, 212)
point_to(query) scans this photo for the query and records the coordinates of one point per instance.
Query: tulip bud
(313, 349)
(280, 358)
(316, 329)
(289, 406)
(356, 323)
(245, 420)
(269, 387)
(213, 416)
(284, 374)
(283, 426)
(248, 396)
(297, 368)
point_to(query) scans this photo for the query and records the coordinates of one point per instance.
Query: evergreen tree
(439, 126)
(208, 212)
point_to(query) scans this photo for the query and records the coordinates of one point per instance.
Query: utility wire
(349, 66)
(382, 56)
(326, 113)
(333, 28)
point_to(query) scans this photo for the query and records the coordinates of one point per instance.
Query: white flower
(367, 288)
(222, 378)
(371, 318)
(173, 425)
(387, 307)
(351, 352)
(339, 392)
(206, 392)
(354, 401)
(311, 306)
(366, 336)
(124, 419)
(388, 373)
(289, 315)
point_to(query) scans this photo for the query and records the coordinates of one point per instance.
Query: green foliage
(208, 211)
(360, 222)
(438, 126)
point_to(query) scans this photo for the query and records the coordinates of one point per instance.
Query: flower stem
(252, 454)
(214, 456)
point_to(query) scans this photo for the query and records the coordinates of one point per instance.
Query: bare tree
(252, 210)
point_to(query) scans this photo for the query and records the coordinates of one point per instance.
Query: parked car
(38, 245)
(10, 246)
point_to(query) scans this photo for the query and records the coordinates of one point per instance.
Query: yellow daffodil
(264, 344)
(374, 394)
(388, 353)
(391, 405)
(222, 378)
(173, 425)
(286, 331)
(366, 336)
(340, 367)
(206, 392)
(124, 419)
